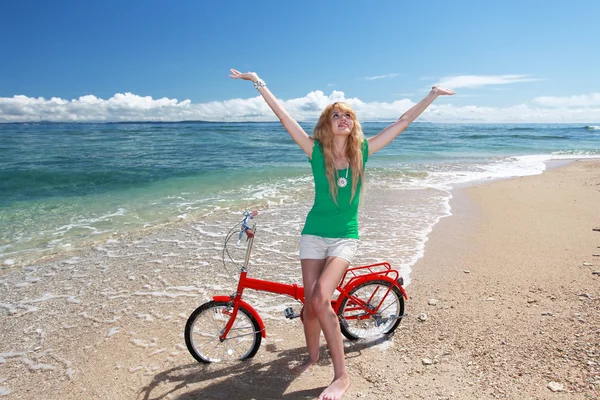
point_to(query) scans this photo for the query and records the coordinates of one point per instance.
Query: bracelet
(259, 84)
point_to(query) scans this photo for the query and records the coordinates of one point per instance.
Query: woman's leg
(334, 270)
(311, 271)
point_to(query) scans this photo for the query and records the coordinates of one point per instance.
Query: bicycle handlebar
(248, 215)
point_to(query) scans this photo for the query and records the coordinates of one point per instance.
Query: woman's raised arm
(384, 137)
(294, 129)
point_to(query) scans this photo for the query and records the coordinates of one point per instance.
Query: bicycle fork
(235, 302)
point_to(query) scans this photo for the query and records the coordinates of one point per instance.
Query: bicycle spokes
(206, 326)
(371, 309)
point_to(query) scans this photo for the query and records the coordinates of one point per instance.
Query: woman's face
(341, 122)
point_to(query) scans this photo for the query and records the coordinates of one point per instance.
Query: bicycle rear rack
(372, 271)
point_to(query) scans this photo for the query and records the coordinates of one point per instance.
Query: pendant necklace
(342, 182)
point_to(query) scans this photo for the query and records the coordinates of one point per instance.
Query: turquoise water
(63, 184)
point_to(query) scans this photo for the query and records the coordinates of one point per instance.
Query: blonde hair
(354, 144)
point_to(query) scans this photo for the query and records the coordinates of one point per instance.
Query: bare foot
(336, 389)
(298, 369)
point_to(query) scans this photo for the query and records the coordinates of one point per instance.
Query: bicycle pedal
(290, 314)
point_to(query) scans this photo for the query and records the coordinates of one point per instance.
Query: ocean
(64, 186)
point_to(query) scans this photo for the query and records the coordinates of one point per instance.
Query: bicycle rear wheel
(383, 299)
(205, 325)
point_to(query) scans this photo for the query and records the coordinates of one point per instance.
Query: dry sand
(516, 308)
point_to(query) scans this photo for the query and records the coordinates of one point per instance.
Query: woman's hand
(441, 92)
(294, 129)
(248, 76)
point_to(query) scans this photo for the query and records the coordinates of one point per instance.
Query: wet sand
(517, 307)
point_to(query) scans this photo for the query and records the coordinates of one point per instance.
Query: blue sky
(527, 61)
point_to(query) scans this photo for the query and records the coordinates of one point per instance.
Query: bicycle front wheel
(204, 328)
(382, 299)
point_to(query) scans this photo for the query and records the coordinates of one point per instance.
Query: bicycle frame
(355, 276)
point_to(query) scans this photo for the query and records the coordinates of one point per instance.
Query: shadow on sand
(244, 380)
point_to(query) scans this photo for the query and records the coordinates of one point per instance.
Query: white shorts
(319, 248)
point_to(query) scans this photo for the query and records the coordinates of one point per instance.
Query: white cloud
(370, 78)
(131, 107)
(521, 113)
(120, 107)
(584, 100)
(471, 81)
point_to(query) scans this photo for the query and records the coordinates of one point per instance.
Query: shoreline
(518, 320)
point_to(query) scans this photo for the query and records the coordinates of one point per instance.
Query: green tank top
(326, 219)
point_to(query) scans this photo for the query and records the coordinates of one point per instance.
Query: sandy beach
(507, 284)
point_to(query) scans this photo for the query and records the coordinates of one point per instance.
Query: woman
(338, 153)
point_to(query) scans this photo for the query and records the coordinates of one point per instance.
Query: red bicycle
(370, 303)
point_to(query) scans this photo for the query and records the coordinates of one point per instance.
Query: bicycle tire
(204, 327)
(355, 328)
